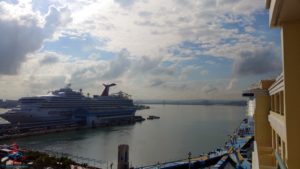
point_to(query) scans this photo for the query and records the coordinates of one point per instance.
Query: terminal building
(276, 102)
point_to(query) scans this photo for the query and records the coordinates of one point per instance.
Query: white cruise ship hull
(20, 117)
(66, 104)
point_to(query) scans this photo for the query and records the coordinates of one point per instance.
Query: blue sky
(179, 49)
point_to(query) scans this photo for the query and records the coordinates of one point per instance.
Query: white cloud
(254, 62)
(209, 89)
(119, 66)
(149, 32)
(23, 32)
(149, 27)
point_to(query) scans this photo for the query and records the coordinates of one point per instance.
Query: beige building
(277, 102)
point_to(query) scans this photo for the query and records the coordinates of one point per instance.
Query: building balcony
(277, 122)
(276, 91)
(277, 86)
(279, 161)
(263, 158)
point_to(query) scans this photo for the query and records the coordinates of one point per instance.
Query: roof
(282, 11)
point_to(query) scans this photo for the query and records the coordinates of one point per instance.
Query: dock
(9, 131)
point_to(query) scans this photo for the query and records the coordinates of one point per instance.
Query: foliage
(42, 160)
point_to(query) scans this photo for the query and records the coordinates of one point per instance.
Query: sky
(152, 49)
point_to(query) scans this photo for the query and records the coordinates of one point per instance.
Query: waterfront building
(276, 102)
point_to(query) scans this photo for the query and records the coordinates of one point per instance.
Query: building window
(272, 102)
(282, 102)
(277, 108)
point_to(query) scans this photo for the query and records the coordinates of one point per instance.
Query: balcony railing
(278, 124)
(279, 161)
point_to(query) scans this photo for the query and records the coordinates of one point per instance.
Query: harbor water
(181, 129)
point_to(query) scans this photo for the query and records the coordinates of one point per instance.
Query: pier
(8, 131)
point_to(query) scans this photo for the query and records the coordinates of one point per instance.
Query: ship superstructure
(66, 104)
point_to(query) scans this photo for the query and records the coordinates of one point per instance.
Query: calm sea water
(181, 129)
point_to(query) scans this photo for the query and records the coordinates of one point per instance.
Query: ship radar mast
(106, 89)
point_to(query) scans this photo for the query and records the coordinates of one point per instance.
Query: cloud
(49, 59)
(154, 34)
(232, 83)
(145, 64)
(55, 19)
(156, 26)
(145, 14)
(160, 70)
(125, 3)
(156, 82)
(119, 66)
(167, 84)
(38, 85)
(186, 71)
(22, 33)
(255, 62)
(209, 89)
(39, 74)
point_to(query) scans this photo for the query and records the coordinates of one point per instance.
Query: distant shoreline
(194, 102)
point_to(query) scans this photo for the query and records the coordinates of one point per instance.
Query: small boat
(138, 118)
(153, 117)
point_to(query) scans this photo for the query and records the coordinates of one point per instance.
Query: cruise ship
(66, 104)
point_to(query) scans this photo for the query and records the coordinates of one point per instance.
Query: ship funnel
(106, 89)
